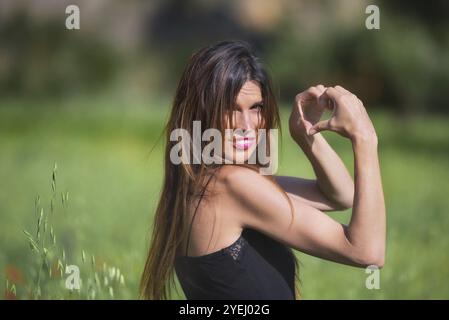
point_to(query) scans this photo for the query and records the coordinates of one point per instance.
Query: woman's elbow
(344, 203)
(377, 261)
(372, 258)
(346, 200)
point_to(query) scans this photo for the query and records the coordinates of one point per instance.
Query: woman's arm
(367, 228)
(333, 179)
(259, 204)
(333, 188)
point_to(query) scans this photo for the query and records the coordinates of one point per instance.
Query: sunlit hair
(207, 91)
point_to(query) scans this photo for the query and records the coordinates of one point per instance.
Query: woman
(226, 229)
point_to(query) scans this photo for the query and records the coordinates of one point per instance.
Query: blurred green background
(95, 100)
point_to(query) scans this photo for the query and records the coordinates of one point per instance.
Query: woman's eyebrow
(254, 104)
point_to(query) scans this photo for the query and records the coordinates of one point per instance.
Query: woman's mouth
(243, 143)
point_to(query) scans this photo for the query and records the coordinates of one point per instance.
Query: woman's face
(242, 142)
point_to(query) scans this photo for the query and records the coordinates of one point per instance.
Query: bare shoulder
(251, 190)
(235, 177)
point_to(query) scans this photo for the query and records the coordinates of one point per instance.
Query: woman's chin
(242, 155)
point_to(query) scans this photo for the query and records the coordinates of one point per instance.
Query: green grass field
(102, 153)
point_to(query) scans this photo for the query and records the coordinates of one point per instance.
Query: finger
(320, 126)
(309, 94)
(328, 96)
(331, 93)
(342, 90)
(307, 125)
(314, 91)
(321, 88)
(297, 104)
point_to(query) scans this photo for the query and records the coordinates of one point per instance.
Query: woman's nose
(245, 121)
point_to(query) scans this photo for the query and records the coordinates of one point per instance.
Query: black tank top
(254, 267)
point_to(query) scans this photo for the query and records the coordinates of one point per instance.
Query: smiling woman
(226, 229)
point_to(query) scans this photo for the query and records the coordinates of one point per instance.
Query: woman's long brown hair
(206, 92)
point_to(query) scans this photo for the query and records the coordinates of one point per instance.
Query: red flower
(14, 275)
(10, 295)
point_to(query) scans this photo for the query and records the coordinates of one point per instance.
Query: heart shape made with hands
(312, 106)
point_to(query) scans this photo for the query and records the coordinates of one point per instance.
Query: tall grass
(49, 264)
(114, 184)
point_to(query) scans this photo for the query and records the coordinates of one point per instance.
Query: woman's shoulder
(254, 199)
(230, 175)
(242, 180)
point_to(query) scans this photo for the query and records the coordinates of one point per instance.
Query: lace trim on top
(235, 250)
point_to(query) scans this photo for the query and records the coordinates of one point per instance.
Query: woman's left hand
(307, 111)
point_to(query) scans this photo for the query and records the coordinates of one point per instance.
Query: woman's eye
(257, 107)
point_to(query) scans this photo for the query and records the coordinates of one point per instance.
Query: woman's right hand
(349, 117)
